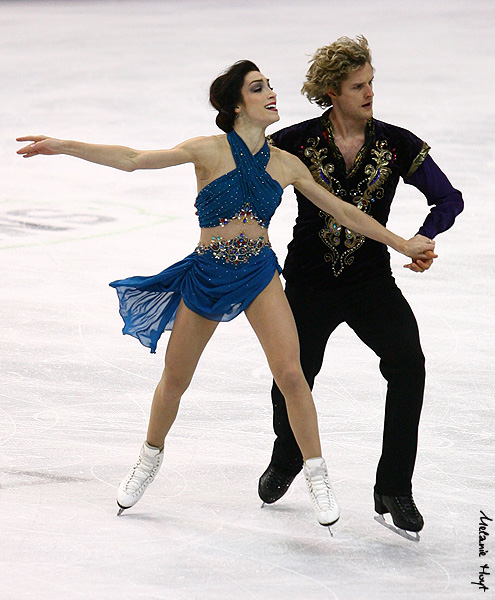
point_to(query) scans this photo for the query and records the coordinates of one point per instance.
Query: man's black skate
(274, 483)
(404, 513)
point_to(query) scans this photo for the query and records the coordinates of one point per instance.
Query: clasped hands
(418, 265)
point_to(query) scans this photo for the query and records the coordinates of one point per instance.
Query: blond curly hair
(330, 65)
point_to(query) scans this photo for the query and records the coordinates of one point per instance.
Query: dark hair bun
(225, 93)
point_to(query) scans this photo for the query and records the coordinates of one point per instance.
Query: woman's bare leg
(188, 338)
(271, 318)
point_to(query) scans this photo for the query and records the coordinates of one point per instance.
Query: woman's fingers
(31, 138)
(28, 150)
(36, 147)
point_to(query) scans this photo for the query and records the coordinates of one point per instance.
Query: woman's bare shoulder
(287, 165)
(283, 156)
(208, 143)
(210, 154)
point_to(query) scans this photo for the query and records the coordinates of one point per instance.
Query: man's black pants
(381, 317)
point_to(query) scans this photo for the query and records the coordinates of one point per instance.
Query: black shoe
(404, 513)
(274, 483)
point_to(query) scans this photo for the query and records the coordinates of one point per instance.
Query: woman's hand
(421, 265)
(41, 145)
(420, 248)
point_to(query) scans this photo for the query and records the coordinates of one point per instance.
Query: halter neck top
(246, 192)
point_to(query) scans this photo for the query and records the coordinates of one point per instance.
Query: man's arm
(445, 200)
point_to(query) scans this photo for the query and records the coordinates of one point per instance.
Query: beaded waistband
(236, 250)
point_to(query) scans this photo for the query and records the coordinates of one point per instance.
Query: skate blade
(121, 510)
(411, 536)
(329, 526)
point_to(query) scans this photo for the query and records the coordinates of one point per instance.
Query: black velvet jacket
(323, 253)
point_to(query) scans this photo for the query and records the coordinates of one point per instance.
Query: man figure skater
(334, 275)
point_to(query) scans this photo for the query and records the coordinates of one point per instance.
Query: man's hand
(418, 265)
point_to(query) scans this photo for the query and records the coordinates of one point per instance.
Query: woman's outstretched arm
(350, 216)
(118, 157)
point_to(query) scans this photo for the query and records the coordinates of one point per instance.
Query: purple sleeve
(446, 201)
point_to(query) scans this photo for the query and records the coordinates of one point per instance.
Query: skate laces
(320, 489)
(406, 503)
(145, 468)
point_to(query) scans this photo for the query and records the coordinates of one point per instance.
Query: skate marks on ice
(13, 478)
(45, 224)
(410, 536)
(329, 527)
(23, 222)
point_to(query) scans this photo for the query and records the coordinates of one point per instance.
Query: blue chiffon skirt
(210, 287)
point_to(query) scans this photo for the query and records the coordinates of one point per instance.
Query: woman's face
(258, 100)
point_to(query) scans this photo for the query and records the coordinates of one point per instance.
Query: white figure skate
(325, 504)
(134, 484)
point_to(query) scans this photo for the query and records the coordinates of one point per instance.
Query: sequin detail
(220, 279)
(244, 215)
(248, 185)
(236, 250)
(366, 191)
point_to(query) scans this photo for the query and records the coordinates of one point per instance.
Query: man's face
(355, 100)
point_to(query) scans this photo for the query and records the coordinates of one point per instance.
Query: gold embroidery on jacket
(322, 173)
(334, 235)
(418, 161)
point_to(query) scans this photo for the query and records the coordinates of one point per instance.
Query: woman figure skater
(233, 268)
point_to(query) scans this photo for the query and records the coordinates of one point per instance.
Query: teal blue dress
(220, 280)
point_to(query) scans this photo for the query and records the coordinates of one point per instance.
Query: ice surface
(75, 394)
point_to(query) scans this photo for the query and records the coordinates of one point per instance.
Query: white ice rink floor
(75, 393)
